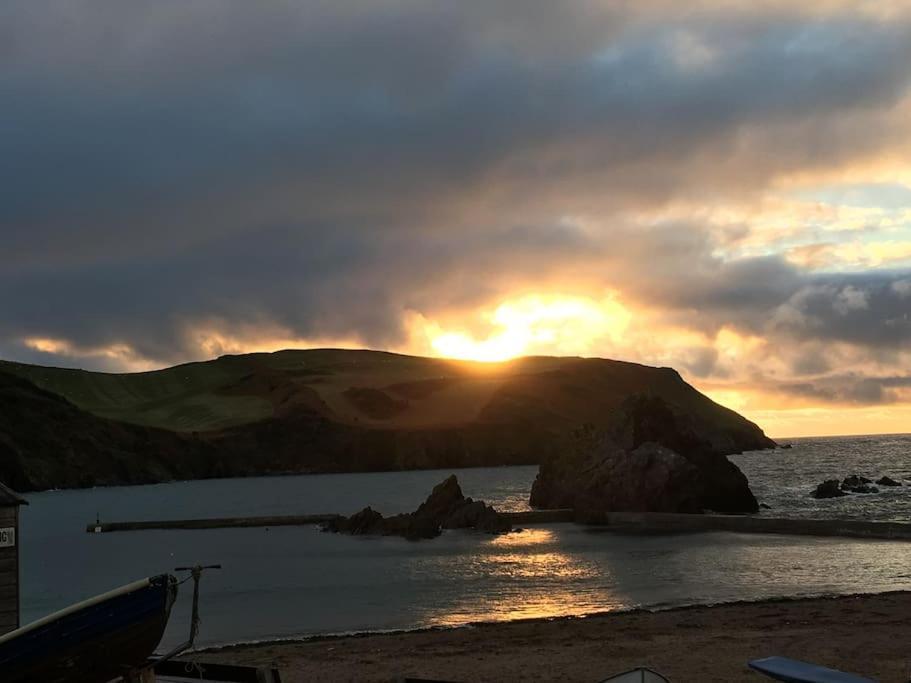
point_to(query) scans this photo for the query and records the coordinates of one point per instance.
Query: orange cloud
(122, 355)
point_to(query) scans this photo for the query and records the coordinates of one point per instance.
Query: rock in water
(853, 481)
(445, 508)
(476, 514)
(650, 459)
(887, 481)
(444, 499)
(858, 484)
(828, 489)
(367, 521)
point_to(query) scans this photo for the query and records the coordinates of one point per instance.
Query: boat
(94, 641)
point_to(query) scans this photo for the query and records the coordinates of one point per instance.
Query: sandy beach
(864, 634)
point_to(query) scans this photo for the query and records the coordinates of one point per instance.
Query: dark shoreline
(276, 474)
(858, 633)
(268, 475)
(602, 614)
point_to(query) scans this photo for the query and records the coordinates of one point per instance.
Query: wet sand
(865, 634)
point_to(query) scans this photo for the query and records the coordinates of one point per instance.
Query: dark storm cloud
(315, 279)
(402, 103)
(325, 166)
(777, 300)
(866, 309)
(850, 389)
(672, 266)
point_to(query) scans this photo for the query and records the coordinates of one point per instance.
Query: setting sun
(534, 324)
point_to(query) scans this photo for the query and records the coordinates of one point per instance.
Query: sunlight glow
(124, 355)
(729, 398)
(841, 421)
(534, 324)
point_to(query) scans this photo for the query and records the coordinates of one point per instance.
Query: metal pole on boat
(195, 573)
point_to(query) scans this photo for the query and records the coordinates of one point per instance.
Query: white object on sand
(640, 675)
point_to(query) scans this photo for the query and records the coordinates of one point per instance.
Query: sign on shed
(9, 558)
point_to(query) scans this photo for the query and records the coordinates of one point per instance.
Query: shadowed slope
(329, 410)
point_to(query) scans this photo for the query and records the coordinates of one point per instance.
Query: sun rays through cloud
(532, 325)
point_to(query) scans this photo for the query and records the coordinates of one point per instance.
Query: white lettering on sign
(7, 537)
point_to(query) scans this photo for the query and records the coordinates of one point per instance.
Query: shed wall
(9, 574)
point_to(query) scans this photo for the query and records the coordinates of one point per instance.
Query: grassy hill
(235, 390)
(182, 398)
(342, 410)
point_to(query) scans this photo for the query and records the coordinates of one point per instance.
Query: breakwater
(98, 527)
(657, 522)
(626, 522)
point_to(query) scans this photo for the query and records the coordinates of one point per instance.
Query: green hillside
(205, 396)
(322, 410)
(182, 398)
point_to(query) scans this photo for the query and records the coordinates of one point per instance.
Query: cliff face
(46, 442)
(320, 411)
(652, 457)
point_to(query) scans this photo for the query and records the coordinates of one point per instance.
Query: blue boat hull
(93, 643)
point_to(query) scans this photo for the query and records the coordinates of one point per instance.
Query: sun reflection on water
(524, 537)
(535, 579)
(520, 558)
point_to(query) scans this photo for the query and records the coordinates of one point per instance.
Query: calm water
(291, 581)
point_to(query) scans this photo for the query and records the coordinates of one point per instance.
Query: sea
(292, 582)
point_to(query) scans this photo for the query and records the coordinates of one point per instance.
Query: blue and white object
(795, 671)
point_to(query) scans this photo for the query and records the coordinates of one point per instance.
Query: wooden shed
(9, 558)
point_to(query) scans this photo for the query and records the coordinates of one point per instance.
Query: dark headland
(323, 410)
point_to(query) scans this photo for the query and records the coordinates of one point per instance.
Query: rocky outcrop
(854, 483)
(652, 458)
(830, 488)
(445, 508)
(858, 484)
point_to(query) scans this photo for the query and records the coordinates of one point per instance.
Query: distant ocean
(287, 582)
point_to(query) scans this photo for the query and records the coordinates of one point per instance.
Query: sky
(720, 187)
